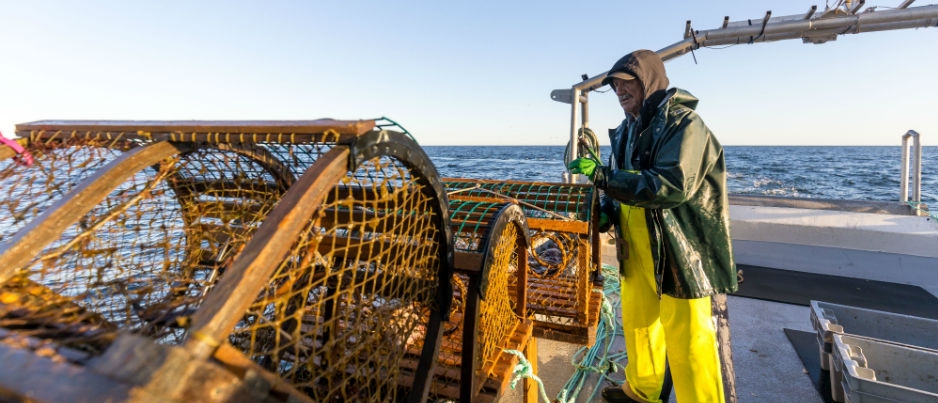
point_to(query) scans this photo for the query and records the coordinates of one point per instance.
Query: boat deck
(768, 368)
(775, 352)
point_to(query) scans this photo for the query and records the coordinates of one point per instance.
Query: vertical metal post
(585, 110)
(916, 167)
(575, 104)
(904, 176)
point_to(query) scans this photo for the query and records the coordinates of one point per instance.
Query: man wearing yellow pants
(665, 190)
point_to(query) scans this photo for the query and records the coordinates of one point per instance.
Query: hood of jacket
(648, 68)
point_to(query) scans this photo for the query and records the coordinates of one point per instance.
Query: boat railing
(915, 165)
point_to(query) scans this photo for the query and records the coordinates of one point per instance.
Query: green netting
(538, 199)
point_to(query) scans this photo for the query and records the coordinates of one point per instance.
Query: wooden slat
(553, 307)
(332, 217)
(583, 279)
(238, 363)
(501, 373)
(17, 250)
(531, 390)
(7, 152)
(26, 376)
(242, 282)
(509, 341)
(577, 332)
(548, 289)
(354, 127)
(172, 372)
(558, 206)
(472, 182)
(224, 188)
(226, 208)
(356, 248)
(468, 262)
(574, 227)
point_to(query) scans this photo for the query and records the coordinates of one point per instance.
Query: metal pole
(818, 29)
(575, 104)
(904, 176)
(916, 167)
(585, 110)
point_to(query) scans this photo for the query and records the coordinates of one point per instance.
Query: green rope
(586, 141)
(523, 370)
(598, 358)
(922, 207)
(385, 121)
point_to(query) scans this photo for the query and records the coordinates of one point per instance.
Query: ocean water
(819, 172)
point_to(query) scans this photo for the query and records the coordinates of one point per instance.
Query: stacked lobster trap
(221, 261)
(489, 318)
(564, 286)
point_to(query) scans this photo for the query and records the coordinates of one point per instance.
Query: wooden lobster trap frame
(218, 261)
(489, 315)
(564, 287)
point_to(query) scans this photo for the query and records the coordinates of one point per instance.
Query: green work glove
(585, 166)
(604, 222)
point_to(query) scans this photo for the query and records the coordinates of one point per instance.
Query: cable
(587, 146)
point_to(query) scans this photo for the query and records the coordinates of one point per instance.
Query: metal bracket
(563, 95)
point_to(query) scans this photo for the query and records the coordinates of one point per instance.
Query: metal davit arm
(810, 27)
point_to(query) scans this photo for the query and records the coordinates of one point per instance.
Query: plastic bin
(870, 370)
(828, 318)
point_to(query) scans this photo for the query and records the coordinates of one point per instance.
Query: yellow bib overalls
(680, 329)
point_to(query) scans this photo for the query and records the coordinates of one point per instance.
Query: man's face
(630, 94)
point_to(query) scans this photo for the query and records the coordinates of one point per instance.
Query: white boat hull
(884, 247)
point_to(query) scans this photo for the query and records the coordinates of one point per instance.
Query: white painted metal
(810, 27)
(916, 165)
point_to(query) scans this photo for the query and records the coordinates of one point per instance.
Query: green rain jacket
(681, 183)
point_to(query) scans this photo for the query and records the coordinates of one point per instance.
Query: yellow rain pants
(680, 329)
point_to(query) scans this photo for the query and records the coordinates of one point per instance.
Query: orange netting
(563, 260)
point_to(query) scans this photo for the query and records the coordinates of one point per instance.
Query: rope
(598, 358)
(922, 208)
(509, 198)
(586, 141)
(523, 370)
(23, 157)
(384, 122)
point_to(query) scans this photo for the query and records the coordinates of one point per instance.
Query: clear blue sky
(453, 73)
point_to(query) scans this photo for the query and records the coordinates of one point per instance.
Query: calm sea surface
(821, 172)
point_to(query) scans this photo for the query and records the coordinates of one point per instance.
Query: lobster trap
(563, 277)
(489, 317)
(222, 261)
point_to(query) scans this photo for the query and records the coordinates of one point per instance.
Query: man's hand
(604, 222)
(585, 166)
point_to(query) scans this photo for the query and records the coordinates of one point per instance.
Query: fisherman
(665, 190)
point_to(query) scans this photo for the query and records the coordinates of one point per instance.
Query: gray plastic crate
(828, 319)
(870, 370)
